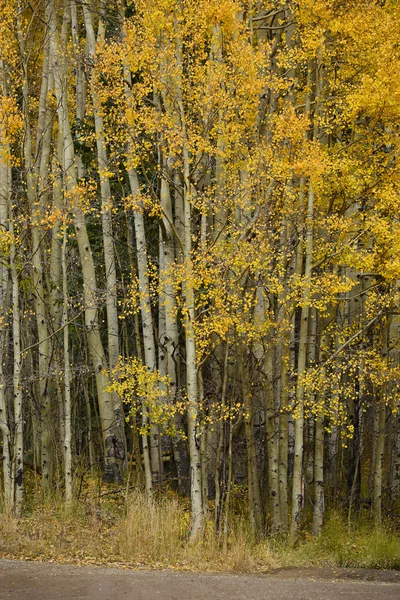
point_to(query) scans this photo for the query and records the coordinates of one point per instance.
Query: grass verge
(153, 534)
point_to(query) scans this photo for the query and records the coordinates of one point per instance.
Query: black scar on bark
(19, 477)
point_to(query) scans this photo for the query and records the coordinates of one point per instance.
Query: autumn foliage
(200, 254)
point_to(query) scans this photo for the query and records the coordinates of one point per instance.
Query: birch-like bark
(284, 430)
(142, 476)
(109, 423)
(170, 341)
(191, 369)
(284, 357)
(396, 459)
(272, 447)
(379, 457)
(106, 219)
(81, 83)
(297, 484)
(18, 453)
(220, 437)
(36, 176)
(220, 177)
(197, 505)
(228, 490)
(319, 501)
(309, 443)
(5, 199)
(266, 359)
(172, 245)
(319, 439)
(380, 408)
(150, 356)
(67, 377)
(253, 487)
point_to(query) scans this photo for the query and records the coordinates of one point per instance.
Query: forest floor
(47, 581)
(138, 534)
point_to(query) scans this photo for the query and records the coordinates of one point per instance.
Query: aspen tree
(220, 440)
(189, 310)
(297, 484)
(151, 444)
(67, 376)
(212, 125)
(380, 408)
(153, 467)
(5, 199)
(36, 174)
(319, 442)
(272, 447)
(106, 215)
(107, 413)
(254, 495)
(191, 370)
(18, 451)
(271, 442)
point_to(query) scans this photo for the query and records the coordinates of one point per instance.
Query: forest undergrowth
(129, 531)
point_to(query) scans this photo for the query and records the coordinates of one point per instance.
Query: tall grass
(145, 533)
(153, 530)
(156, 532)
(364, 546)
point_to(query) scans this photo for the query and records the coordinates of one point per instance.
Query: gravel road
(42, 581)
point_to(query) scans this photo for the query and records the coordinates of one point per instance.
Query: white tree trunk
(18, 454)
(5, 194)
(108, 239)
(36, 176)
(379, 457)
(67, 378)
(109, 422)
(319, 500)
(272, 446)
(297, 489)
(147, 317)
(190, 345)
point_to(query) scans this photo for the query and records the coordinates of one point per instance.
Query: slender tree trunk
(319, 503)
(253, 488)
(109, 422)
(191, 372)
(36, 175)
(284, 432)
(266, 359)
(297, 489)
(170, 342)
(147, 318)
(319, 441)
(18, 454)
(5, 199)
(67, 378)
(379, 457)
(221, 445)
(108, 239)
(272, 447)
(81, 82)
(228, 491)
(396, 460)
(197, 505)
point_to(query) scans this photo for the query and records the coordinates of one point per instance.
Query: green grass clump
(364, 545)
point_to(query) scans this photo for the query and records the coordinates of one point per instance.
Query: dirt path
(41, 581)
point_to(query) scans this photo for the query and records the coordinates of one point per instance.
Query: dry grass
(156, 532)
(145, 534)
